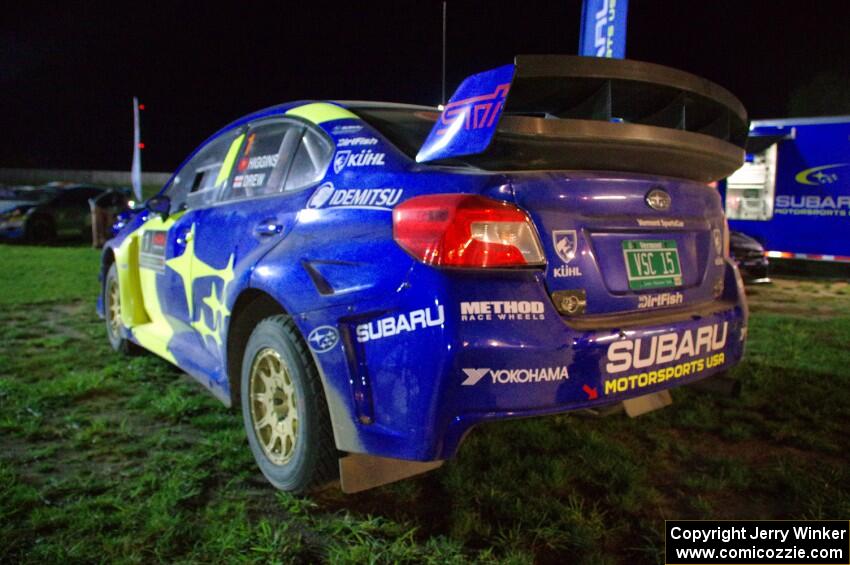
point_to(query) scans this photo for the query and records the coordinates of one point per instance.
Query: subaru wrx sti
(369, 281)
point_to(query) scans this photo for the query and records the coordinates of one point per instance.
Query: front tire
(284, 409)
(112, 314)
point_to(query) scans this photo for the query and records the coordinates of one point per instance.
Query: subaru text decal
(394, 325)
(700, 348)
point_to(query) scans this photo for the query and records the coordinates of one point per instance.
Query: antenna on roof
(443, 98)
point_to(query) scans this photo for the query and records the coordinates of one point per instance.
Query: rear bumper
(602, 370)
(414, 394)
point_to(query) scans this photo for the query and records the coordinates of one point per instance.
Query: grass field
(108, 459)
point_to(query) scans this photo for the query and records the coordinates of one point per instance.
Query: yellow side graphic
(127, 264)
(190, 268)
(140, 306)
(319, 112)
(230, 158)
(151, 327)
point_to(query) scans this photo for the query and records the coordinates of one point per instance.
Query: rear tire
(284, 409)
(112, 314)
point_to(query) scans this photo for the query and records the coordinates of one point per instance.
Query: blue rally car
(369, 281)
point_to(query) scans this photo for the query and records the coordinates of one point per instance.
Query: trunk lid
(603, 237)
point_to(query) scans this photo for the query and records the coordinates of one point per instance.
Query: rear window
(406, 128)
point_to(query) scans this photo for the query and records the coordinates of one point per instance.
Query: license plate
(652, 263)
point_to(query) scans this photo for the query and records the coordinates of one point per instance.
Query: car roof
(281, 109)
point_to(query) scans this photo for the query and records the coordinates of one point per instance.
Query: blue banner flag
(603, 28)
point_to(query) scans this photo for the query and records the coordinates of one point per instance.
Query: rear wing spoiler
(608, 114)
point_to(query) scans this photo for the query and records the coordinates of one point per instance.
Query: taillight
(464, 230)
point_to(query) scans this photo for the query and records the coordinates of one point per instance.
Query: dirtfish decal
(660, 300)
(394, 325)
(818, 175)
(356, 141)
(700, 348)
(515, 376)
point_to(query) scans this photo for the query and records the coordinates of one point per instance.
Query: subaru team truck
(792, 194)
(369, 281)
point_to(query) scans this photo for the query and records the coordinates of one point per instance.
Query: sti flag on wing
(136, 168)
(603, 28)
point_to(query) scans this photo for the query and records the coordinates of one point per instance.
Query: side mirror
(159, 205)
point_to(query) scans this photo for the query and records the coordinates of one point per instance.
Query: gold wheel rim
(274, 410)
(113, 308)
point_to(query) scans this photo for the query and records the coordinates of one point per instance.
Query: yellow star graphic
(190, 268)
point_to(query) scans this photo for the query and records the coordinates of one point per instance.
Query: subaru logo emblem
(323, 339)
(658, 199)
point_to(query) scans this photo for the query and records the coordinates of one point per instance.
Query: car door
(166, 254)
(257, 207)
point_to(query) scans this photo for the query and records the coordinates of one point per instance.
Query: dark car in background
(43, 213)
(750, 258)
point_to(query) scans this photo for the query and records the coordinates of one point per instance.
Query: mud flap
(359, 472)
(647, 403)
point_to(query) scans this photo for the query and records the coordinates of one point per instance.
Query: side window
(264, 160)
(197, 183)
(750, 190)
(311, 161)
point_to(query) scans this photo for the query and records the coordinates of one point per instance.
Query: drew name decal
(394, 325)
(515, 376)
(501, 310)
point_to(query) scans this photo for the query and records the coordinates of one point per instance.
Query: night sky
(68, 74)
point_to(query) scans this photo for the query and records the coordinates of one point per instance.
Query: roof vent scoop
(594, 113)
